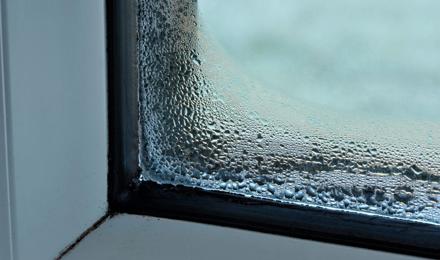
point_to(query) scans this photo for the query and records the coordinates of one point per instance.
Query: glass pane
(323, 104)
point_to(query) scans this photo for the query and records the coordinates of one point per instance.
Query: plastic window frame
(194, 204)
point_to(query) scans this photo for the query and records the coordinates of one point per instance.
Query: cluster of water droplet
(203, 124)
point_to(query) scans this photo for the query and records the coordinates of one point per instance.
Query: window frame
(126, 195)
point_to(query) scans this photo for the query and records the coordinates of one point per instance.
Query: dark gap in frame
(220, 208)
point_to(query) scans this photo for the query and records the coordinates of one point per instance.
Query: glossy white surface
(56, 78)
(138, 237)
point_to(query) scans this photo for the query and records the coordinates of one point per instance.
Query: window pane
(332, 105)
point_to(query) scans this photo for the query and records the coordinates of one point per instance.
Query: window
(311, 119)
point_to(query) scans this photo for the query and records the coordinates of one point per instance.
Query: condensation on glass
(215, 122)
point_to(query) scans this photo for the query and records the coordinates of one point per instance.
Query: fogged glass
(330, 104)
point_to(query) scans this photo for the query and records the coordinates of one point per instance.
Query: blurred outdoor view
(363, 58)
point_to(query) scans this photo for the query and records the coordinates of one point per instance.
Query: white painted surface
(55, 59)
(137, 237)
(6, 250)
